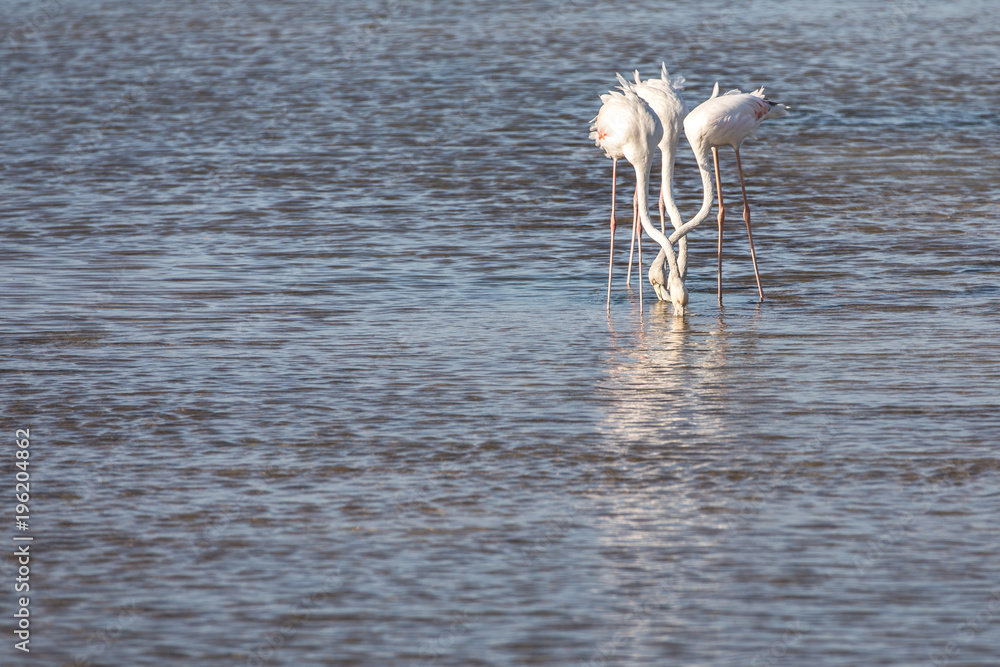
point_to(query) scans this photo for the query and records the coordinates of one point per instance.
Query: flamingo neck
(667, 190)
(705, 166)
(667, 187)
(641, 188)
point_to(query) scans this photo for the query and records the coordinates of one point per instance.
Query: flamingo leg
(631, 249)
(746, 218)
(722, 214)
(611, 260)
(639, 234)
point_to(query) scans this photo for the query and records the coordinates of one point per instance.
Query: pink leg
(722, 214)
(631, 250)
(639, 235)
(746, 219)
(611, 261)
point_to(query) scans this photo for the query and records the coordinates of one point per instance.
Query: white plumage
(726, 120)
(662, 96)
(626, 127)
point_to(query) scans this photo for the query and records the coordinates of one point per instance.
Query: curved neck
(641, 188)
(667, 187)
(705, 166)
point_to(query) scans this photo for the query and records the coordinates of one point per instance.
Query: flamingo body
(626, 127)
(726, 120)
(662, 96)
(730, 119)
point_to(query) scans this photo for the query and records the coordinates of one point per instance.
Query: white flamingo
(726, 120)
(626, 127)
(661, 96)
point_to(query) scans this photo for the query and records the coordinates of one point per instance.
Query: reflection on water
(677, 377)
(305, 311)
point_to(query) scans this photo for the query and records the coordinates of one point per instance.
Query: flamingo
(726, 120)
(661, 96)
(625, 127)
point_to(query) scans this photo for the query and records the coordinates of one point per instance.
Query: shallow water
(304, 307)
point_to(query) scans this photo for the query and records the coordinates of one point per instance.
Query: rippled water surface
(304, 307)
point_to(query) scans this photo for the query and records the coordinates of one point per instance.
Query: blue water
(304, 306)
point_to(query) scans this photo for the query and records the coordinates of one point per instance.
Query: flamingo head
(658, 277)
(678, 293)
(668, 284)
(776, 110)
(773, 110)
